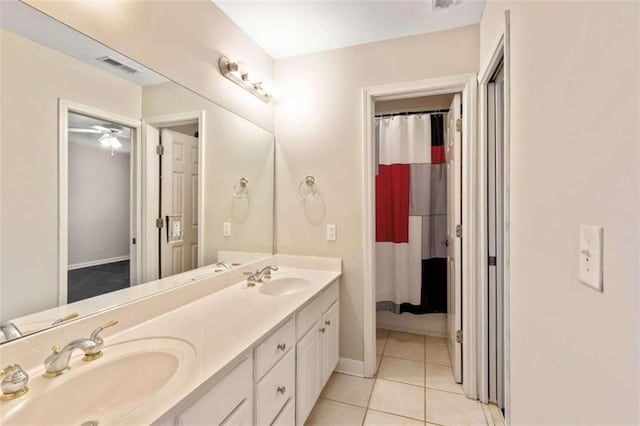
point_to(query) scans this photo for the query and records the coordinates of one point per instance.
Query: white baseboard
(352, 367)
(97, 262)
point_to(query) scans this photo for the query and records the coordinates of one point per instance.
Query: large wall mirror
(115, 181)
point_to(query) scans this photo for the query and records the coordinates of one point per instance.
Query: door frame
(151, 191)
(66, 106)
(467, 85)
(498, 54)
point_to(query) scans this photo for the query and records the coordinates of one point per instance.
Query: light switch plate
(331, 232)
(226, 229)
(590, 260)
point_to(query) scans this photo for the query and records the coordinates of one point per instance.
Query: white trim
(467, 84)
(98, 262)
(64, 107)
(350, 366)
(150, 172)
(499, 53)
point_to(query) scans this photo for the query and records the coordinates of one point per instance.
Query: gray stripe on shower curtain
(428, 189)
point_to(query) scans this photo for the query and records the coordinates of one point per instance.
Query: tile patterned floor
(413, 386)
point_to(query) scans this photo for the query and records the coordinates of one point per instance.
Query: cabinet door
(230, 401)
(308, 372)
(330, 341)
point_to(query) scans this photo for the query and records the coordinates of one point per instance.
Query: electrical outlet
(590, 260)
(331, 232)
(226, 229)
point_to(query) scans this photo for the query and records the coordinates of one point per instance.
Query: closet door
(330, 341)
(453, 157)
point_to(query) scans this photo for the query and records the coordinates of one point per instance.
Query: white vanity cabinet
(317, 351)
(280, 382)
(275, 375)
(228, 402)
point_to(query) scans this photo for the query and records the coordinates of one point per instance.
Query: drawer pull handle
(327, 322)
(282, 346)
(282, 389)
(322, 330)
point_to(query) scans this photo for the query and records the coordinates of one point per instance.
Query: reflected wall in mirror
(115, 181)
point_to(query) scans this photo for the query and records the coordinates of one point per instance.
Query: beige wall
(181, 40)
(234, 148)
(318, 130)
(99, 213)
(420, 103)
(32, 78)
(575, 160)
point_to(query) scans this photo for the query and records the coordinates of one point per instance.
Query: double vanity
(236, 347)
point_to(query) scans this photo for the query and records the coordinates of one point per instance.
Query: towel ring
(310, 181)
(241, 188)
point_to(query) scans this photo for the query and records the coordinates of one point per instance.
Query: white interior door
(495, 234)
(453, 157)
(179, 203)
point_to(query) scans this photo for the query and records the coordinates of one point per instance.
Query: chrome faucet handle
(252, 278)
(95, 352)
(66, 318)
(14, 382)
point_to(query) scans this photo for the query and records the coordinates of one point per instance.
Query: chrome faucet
(10, 330)
(58, 362)
(265, 273)
(14, 382)
(223, 265)
(261, 275)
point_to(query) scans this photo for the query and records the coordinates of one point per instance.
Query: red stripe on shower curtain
(437, 154)
(392, 203)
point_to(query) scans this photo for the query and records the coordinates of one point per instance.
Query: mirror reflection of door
(179, 199)
(99, 207)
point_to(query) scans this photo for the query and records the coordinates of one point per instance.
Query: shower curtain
(411, 214)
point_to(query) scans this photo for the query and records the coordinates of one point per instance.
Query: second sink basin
(284, 286)
(127, 379)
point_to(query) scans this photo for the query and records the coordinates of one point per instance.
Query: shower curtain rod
(394, 114)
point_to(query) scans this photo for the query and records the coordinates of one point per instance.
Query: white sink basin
(130, 379)
(284, 286)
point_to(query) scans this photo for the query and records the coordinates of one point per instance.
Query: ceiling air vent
(117, 64)
(443, 4)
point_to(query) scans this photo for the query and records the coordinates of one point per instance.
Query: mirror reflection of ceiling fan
(109, 138)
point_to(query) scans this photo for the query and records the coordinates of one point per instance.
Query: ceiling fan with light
(110, 135)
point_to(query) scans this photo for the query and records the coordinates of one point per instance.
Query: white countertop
(221, 327)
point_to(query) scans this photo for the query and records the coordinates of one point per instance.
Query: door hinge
(459, 124)
(160, 149)
(133, 241)
(459, 336)
(159, 223)
(459, 231)
(493, 261)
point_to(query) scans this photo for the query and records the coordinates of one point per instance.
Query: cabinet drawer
(272, 349)
(276, 389)
(287, 416)
(308, 316)
(329, 296)
(229, 397)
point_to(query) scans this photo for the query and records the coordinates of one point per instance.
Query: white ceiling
(297, 27)
(22, 19)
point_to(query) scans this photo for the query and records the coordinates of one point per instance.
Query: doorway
(495, 234)
(418, 260)
(174, 149)
(98, 209)
(461, 296)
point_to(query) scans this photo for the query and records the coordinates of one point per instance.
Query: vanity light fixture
(234, 72)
